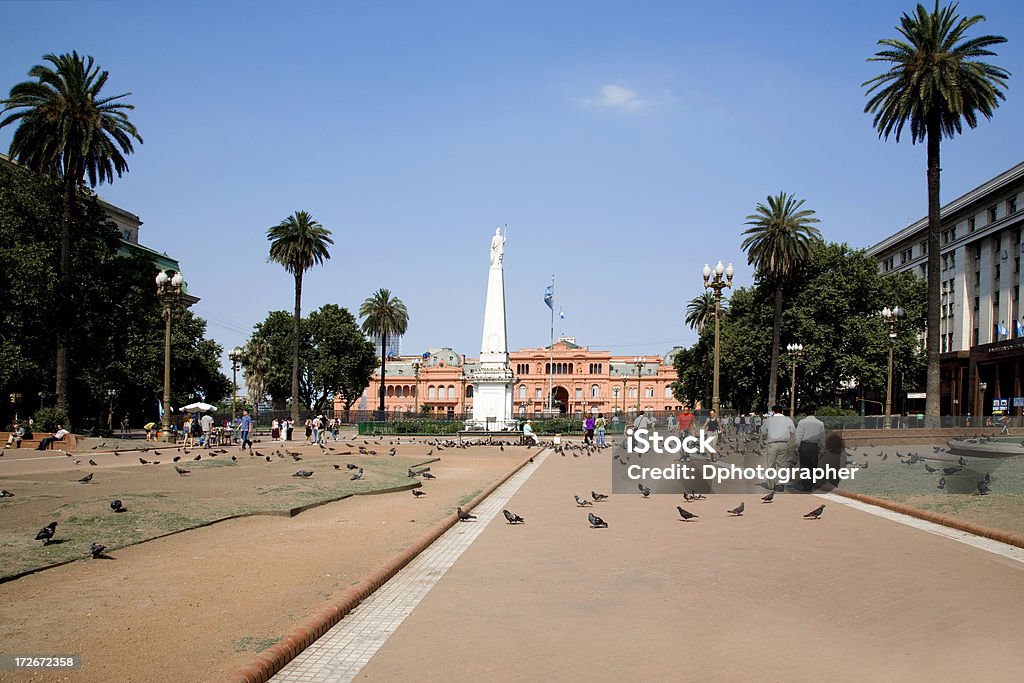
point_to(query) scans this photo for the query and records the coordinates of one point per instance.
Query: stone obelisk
(492, 381)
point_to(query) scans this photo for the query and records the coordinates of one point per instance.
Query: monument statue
(497, 247)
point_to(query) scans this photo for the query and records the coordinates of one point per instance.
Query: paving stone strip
(344, 650)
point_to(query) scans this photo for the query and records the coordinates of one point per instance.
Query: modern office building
(577, 379)
(982, 325)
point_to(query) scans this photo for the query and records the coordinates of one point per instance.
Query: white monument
(492, 381)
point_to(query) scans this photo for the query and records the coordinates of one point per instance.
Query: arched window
(579, 393)
(632, 392)
(540, 394)
(390, 391)
(595, 391)
(649, 393)
(451, 391)
(430, 392)
(668, 391)
(522, 391)
(469, 391)
(547, 368)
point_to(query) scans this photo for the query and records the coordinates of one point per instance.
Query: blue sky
(623, 143)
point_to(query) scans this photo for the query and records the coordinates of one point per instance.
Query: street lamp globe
(730, 271)
(719, 269)
(162, 278)
(707, 271)
(177, 280)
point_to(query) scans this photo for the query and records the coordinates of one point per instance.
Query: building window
(539, 395)
(924, 248)
(431, 392)
(579, 393)
(469, 391)
(522, 391)
(970, 224)
(993, 214)
(668, 392)
(1011, 205)
(451, 391)
(595, 391)
(632, 392)
(995, 276)
(906, 255)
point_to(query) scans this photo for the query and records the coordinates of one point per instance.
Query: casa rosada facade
(580, 380)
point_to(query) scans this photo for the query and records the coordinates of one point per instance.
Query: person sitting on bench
(58, 436)
(16, 436)
(528, 434)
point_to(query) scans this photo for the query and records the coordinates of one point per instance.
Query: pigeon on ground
(596, 522)
(86, 479)
(687, 516)
(181, 472)
(143, 461)
(581, 502)
(411, 474)
(96, 550)
(337, 466)
(463, 515)
(988, 477)
(513, 518)
(737, 511)
(598, 496)
(268, 458)
(417, 493)
(92, 462)
(644, 490)
(951, 470)
(351, 466)
(769, 498)
(4, 493)
(198, 457)
(428, 475)
(305, 474)
(117, 506)
(358, 475)
(815, 513)
(983, 488)
(960, 461)
(46, 533)
(930, 469)
(942, 483)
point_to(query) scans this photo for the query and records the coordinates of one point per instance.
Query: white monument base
(492, 401)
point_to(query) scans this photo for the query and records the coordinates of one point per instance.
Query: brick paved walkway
(767, 596)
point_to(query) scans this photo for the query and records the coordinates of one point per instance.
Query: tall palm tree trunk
(776, 335)
(63, 309)
(295, 345)
(933, 399)
(383, 364)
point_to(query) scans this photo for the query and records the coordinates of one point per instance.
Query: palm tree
(298, 243)
(935, 79)
(68, 131)
(778, 240)
(699, 312)
(256, 363)
(385, 316)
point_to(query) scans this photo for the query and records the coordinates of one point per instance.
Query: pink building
(580, 380)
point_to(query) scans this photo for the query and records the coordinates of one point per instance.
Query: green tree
(384, 316)
(68, 130)
(935, 80)
(298, 243)
(275, 337)
(342, 360)
(778, 241)
(256, 364)
(699, 312)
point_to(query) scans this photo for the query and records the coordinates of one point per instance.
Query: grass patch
(468, 497)
(253, 644)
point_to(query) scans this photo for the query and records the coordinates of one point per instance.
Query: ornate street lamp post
(235, 355)
(168, 288)
(892, 318)
(639, 363)
(416, 387)
(717, 283)
(111, 393)
(794, 351)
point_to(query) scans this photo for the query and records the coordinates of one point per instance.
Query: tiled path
(766, 596)
(344, 650)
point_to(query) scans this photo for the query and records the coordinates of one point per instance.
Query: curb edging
(267, 663)
(936, 518)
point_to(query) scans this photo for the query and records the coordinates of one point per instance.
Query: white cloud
(616, 97)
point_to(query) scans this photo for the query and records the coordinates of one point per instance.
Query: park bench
(69, 443)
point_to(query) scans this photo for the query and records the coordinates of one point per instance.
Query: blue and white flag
(549, 296)
(160, 409)
(1002, 330)
(1020, 328)
(561, 313)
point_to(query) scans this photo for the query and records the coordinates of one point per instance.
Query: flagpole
(551, 348)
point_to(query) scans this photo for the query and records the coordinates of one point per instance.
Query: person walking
(309, 431)
(244, 426)
(810, 444)
(600, 426)
(712, 426)
(206, 422)
(779, 433)
(186, 432)
(588, 430)
(642, 422)
(275, 429)
(685, 422)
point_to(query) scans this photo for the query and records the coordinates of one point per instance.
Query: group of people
(802, 446)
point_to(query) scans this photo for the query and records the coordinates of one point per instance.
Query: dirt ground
(197, 605)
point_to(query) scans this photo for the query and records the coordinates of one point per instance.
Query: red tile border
(273, 659)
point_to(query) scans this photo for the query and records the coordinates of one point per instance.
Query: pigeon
(143, 461)
(988, 477)
(180, 471)
(598, 496)
(4, 493)
(86, 479)
(737, 512)
(117, 506)
(644, 490)
(596, 522)
(305, 474)
(513, 518)
(268, 458)
(417, 493)
(198, 457)
(942, 483)
(463, 515)
(411, 474)
(960, 461)
(687, 516)
(815, 513)
(358, 475)
(951, 470)
(337, 466)
(930, 469)
(234, 459)
(769, 498)
(96, 550)
(581, 502)
(46, 533)
(428, 475)
(983, 488)
(351, 466)
(92, 462)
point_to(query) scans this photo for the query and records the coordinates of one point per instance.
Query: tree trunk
(776, 334)
(933, 399)
(295, 346)
(63, 308)
(383, 364)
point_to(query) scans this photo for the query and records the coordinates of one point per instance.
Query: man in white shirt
(810, 441)
(206, 421)
(57, 436)
(642, 422)
(528, 435)
(779, 430)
